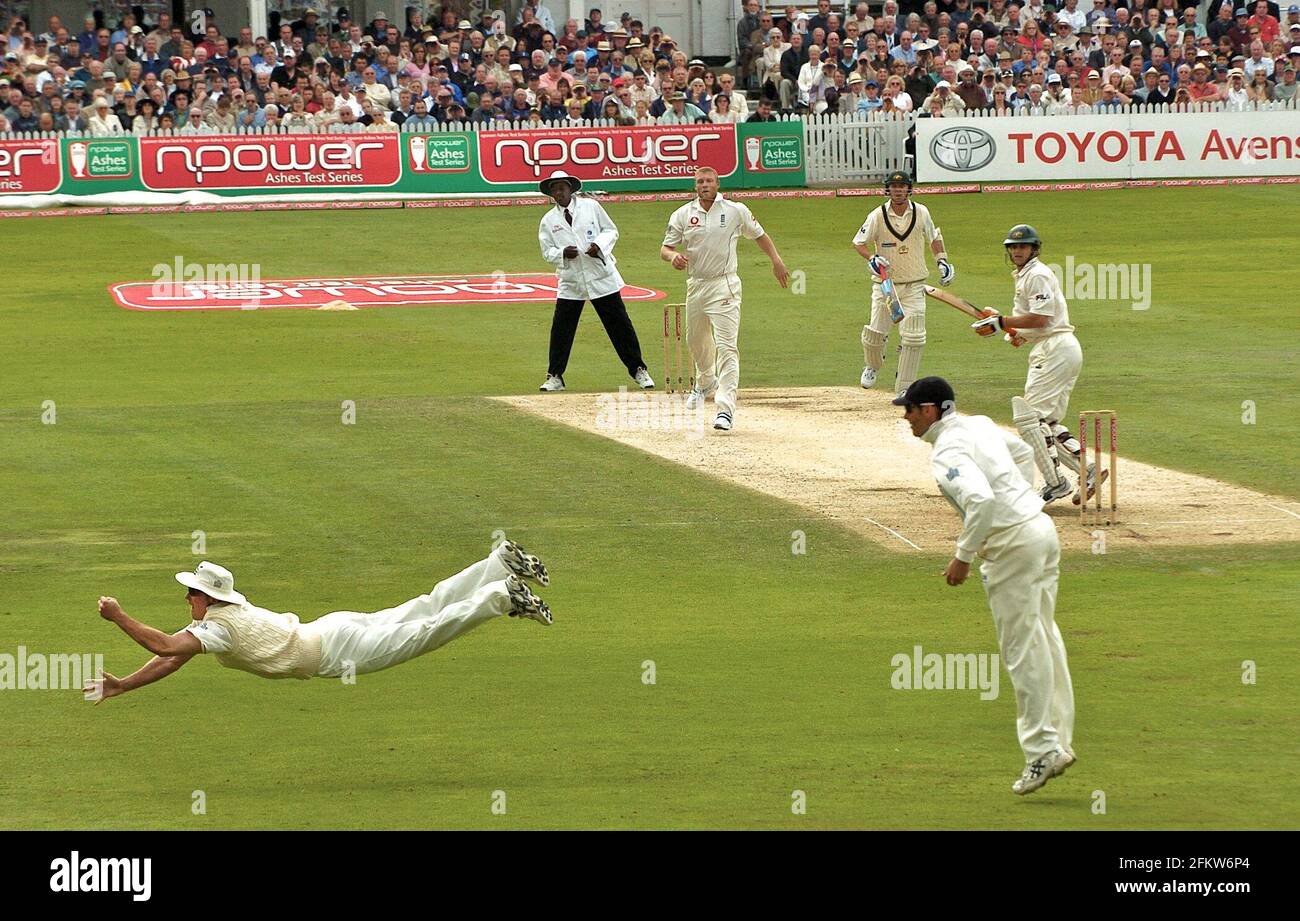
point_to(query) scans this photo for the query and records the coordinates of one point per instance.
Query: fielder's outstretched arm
(183, 643)
(156, 669)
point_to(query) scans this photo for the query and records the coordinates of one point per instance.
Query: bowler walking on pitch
(986, 473)
(578, 238)
(274, 645)
(701, 240)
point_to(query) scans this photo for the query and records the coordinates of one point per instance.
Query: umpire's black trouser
(612, 313)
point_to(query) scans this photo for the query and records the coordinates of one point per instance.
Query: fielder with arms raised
(894, 237)
(701, 240)
(273, 645)
(1041, 317)
(986, 473)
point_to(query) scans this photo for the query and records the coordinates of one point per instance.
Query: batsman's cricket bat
(887, 288)
(967, 308)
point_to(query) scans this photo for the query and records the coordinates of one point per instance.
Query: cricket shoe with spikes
(1093, 483)
(868, 378)
(1040, 771)
(552, 384)
(643, 379)
(525, 604)
(1052, 493)
(1066, 762)
(723, 422)
(522, 563)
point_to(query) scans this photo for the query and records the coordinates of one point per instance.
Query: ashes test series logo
(100, 159)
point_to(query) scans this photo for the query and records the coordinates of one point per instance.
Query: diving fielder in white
(986, 473)
(701, 240)
(897, 234)
(1041, 317)
(273, 645)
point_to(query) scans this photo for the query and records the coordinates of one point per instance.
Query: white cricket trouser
(1020, 572)
(712, 331)
(1054, 366)
(370, 642)
(911, 331)
(911, 295)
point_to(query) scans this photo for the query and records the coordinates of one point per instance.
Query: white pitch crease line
(900, 536)
(1280, 509)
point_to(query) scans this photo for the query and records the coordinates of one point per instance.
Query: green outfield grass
(773, 670)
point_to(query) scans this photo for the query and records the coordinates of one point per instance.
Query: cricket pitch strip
(844, 454)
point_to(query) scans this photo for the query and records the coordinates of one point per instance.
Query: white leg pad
(873, 348)
(911, 334)
(1035, 432)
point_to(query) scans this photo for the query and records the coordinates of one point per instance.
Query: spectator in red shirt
(1269, 27)
(1200, 88)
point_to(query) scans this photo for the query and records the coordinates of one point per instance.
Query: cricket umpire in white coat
(577, 237)
(273, 645)
(987, 475)
(701, 240)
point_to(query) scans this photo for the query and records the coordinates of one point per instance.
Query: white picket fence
(854, 148)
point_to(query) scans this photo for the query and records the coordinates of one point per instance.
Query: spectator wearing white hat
(102, 122)
(1057, 97)
(1235, 98)
(950, 103)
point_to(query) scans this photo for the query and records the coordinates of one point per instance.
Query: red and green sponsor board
(649, 158)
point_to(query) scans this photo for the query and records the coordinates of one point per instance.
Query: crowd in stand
(343, 76)
(943, 59)
(949, 58)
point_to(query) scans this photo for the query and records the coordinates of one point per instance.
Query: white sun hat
(211, 579)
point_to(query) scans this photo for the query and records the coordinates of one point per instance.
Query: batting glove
(992, 323)
(946, 272)
(879, 265)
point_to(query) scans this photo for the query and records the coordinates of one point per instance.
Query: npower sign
(285, 161)
(488, 161)
(593, 154)
(29, 167)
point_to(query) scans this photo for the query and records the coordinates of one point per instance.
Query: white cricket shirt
(708, 238)
(986, 473)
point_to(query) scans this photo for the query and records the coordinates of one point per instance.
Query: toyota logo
(963, 149)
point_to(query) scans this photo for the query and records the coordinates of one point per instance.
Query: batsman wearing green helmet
(1041, 317)
(893, 240)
